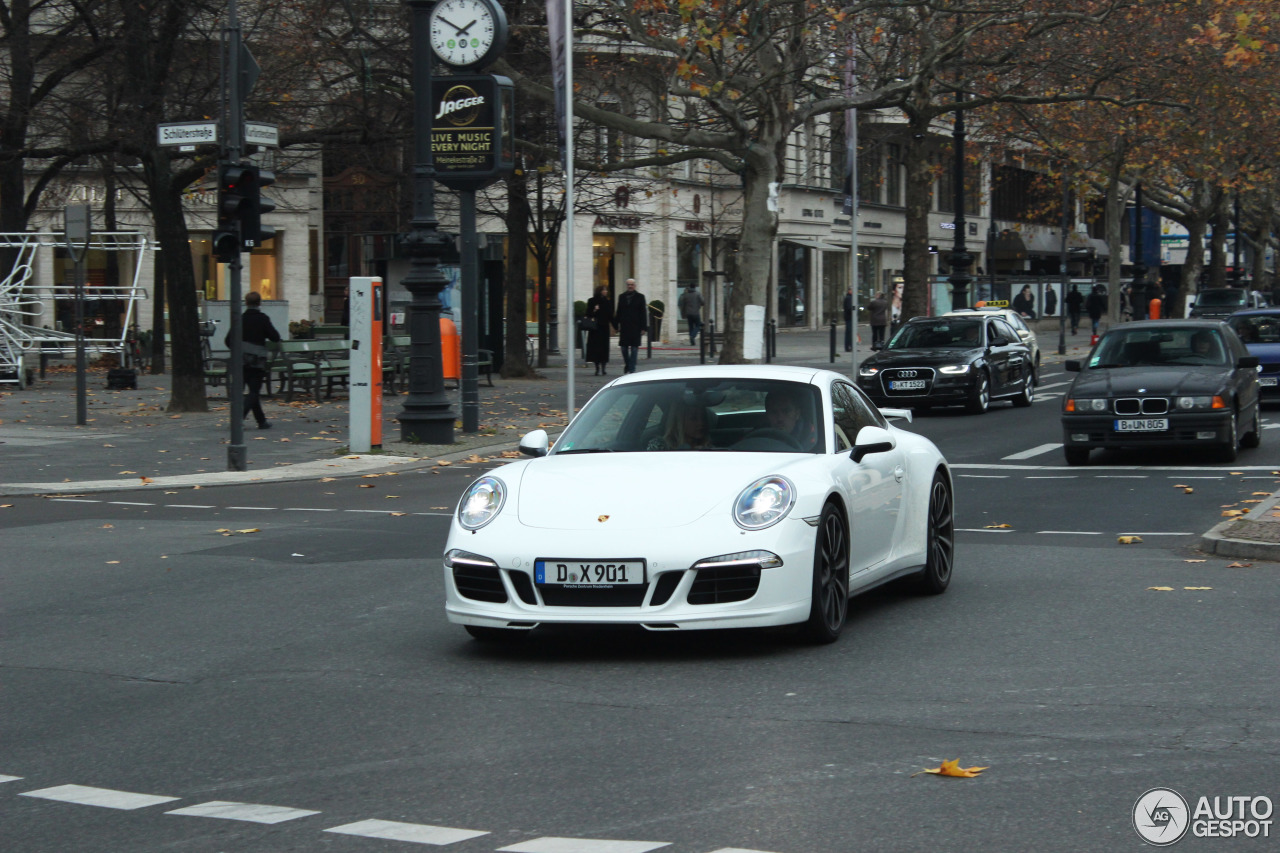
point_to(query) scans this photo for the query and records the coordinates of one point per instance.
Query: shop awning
(813, 243)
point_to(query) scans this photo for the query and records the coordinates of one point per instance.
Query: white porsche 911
(703, 497)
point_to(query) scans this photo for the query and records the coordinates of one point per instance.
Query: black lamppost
(427, 416)
(961, 260)
(1138, 290)
(1236, 272)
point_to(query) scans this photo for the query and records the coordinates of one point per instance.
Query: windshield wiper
(585, 450)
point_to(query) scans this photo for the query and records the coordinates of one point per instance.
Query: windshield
(704, 414)
(944, 332)
(1257, 329)
(1167, 346)
(1223, 297)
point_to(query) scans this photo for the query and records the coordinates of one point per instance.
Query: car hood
(1156, 381)
(893, 358)
(638, 491)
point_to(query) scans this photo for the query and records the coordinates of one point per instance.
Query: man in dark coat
(1074, 303)
(1096, 305)
(878, 316)
(256, 329)
(631, 319)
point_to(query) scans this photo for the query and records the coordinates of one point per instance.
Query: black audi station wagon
(965, 361)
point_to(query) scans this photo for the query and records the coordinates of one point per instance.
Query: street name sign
(257, 133)
(187, 133)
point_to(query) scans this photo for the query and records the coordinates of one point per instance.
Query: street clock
(467, 33)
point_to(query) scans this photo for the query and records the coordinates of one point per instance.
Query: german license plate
(906, 385)
(589, 574)
(1267, 381)
(1142, 425)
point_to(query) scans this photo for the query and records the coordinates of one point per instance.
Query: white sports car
(703, 497)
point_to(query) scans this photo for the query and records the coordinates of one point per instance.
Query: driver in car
(783, 411)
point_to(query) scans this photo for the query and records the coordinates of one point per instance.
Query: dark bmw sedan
(1164, 383)
(950, 361)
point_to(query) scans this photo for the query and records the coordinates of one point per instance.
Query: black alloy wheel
(981, 399)
(1228, 450)
(940, 539)
(829, 603)
(1024, 398)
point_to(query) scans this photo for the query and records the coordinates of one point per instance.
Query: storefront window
(257, 271)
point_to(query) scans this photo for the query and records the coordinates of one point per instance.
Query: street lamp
(427, 416)
(1137, 291)
(961, 260)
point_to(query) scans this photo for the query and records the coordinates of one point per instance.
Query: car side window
(994, 337)
(851, 412)
(1009, 335)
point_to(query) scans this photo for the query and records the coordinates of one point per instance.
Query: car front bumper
(1184, 428)
(675, 596)
(942, 390)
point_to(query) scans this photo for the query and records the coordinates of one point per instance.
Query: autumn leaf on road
(1239, 565)
(1188, 490)
(249, 530)
(999, 526)
(1232, 513)
(1193, 561)
(953, 768)
(1128, 540)
(146, 481)
(1161, 588)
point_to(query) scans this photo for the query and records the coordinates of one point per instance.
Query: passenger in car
(687, 429)
(785, 413)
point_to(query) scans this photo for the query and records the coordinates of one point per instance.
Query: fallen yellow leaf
(397, 513)
(1239, 565)
(128, 472)
(327, 479)
(1264, 494)
(222, 530)
(146, 480)
(999, 526)
(249, 530)
(1179, 485)
(1236, 473)
(443, 462)
(366, 485)
(113, 562)
(953, 768)
(1161, 588)
(1232, 513)
(1128, 540)
(1188, 490)
(107, 526)
(1193, 561)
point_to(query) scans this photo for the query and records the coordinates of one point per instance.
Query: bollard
(711, 333)
(649, 340)
(833, 341)
(702, 346)
(773, 338)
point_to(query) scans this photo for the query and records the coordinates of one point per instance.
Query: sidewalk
(129, 439)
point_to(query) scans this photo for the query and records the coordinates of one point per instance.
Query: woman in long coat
(600, 309)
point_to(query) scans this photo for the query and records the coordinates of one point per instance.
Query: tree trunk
(915, 249)
(755, 250)
(1218, 246)
(1194, 264)
(187, 392)
(515, 363)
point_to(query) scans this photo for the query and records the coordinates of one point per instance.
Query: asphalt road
(150, 645)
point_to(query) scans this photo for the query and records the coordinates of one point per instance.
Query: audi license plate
(1267, 381)
(906, 385)
(589, 574)
(1142, 425)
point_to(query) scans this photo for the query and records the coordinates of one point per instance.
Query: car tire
(1228, 450)
(1023, 400)
(980, 401)
(1035, 374)
(1076, 456)
(1253, 437)
(485, 634)
(939, 540)
(829, 600)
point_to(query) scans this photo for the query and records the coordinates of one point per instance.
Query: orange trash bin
(1153, 309)
(450, 350)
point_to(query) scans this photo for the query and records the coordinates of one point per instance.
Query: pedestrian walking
(256, 329)
(631, 319)
(1096, 306)
(848, 321)
(600, 315)
(1074, 303)
(1050, 301)
(878, 316)
(690, 306)
(1025, 302)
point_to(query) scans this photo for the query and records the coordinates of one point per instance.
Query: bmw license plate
(906, 385)
(1267, 381)
(1142, 425)
(589, 574)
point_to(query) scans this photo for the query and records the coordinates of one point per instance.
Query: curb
(1219, 541)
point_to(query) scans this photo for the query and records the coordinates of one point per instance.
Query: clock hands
(461, 31)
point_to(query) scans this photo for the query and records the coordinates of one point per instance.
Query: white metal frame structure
(20, 304)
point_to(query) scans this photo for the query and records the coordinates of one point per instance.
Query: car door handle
(898, 473)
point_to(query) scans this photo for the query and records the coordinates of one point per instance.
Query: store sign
(472, 129)
(604, 221)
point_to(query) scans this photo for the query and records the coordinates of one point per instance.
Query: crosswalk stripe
(250, 812)
(106, 798)
(9, 778)
(582, 845)
(419, 833)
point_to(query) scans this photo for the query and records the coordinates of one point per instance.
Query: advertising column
(366, 365)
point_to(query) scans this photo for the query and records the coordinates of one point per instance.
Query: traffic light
(252, 232)
(231, 204)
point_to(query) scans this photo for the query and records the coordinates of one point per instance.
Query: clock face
(463, 31)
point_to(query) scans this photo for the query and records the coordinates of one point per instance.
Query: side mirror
(535, 443)
(1071, 366)
(872, 439)
(1246, 361)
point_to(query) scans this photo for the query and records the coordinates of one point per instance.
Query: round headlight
(764, 502)
(481, 502)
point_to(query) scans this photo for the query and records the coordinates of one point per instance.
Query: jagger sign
(472, 128)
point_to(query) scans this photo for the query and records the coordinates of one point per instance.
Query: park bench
(307, 365)
(395, 364)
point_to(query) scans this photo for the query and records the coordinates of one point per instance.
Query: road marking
(1040, 395)
(1271, 426)
(582, 845)
(308, 509)
(1051, 476)
(263, 508)
(1035, 451)
(1072, 532)
(1122, 476)
(104, 797)
(1156, 533)
(250, 812)
(76, 500)
(1054, 385)
(419, 833)
(9, 778)
(737, 850)
(190, 506)
(130, 503)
